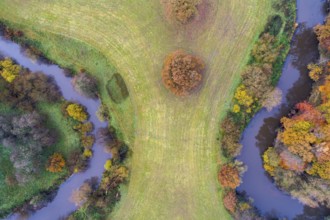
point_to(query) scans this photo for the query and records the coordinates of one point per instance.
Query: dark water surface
(61, 205)
(261, 131)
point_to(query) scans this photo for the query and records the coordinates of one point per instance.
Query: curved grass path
(175, 147)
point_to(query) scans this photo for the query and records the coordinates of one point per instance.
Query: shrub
(108, 165)
(266, 49)
(80, 195)
(230, 201)
(88, 153)
(105, 136)
(84, 128)
(76, 162)
(323, 35)
(87, 141)
(85, 85)
(257, 80)
(77, 112)
(274, 25)
(244, 99)
(182, 10)
(230, 138)
(273, 99)
(56, 163)
(271, 160)
(229, 176)
(315, 71)
(9, 71)
(182, 72)
(102, 113)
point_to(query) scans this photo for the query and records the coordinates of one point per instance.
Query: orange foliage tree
(229, 176)
(182, 72)
(56, 163)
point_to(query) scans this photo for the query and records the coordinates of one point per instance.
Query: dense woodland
(25, 132)
(299, 162)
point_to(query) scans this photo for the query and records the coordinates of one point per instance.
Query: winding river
(61, 206)
(259, 134)
(261, 131)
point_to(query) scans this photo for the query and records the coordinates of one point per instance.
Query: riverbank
(261, 131)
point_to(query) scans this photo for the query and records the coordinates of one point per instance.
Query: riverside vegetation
(256, 90)
(38, 139)
(143, 112)
(299, 162)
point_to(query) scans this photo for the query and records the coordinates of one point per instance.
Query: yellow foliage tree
(9, 70)
(321, 169)
(297, 136)
(88, 153)
(108, 165)
(77, 112)
(315, 71)
(243, 99)
(271, 160)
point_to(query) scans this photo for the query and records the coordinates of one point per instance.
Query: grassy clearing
(68, 140)
(175, 148)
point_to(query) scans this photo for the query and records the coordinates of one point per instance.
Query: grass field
(174, 140)
(68, 140)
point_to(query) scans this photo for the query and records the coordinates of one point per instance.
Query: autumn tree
(26, 136)
(257, 80)
(230, 138)
(266, 49)
(323, 35)
(103, 113)
(77, 112)
(271, 160)
(182, 73)
(315, 71)
(87, 141)
(273, 99)
(230, 201)
(8, 70)
(85, 85)
(298, 137)
(243, 99)
(79, 196)
(182, 10)
(229, 176)
(56, 163)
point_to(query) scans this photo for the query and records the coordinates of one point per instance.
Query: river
(259, 134)
(61, 206)
(261, 131)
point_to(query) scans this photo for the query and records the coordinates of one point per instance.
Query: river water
(261, 131)
(259, 134)
(61, 205)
